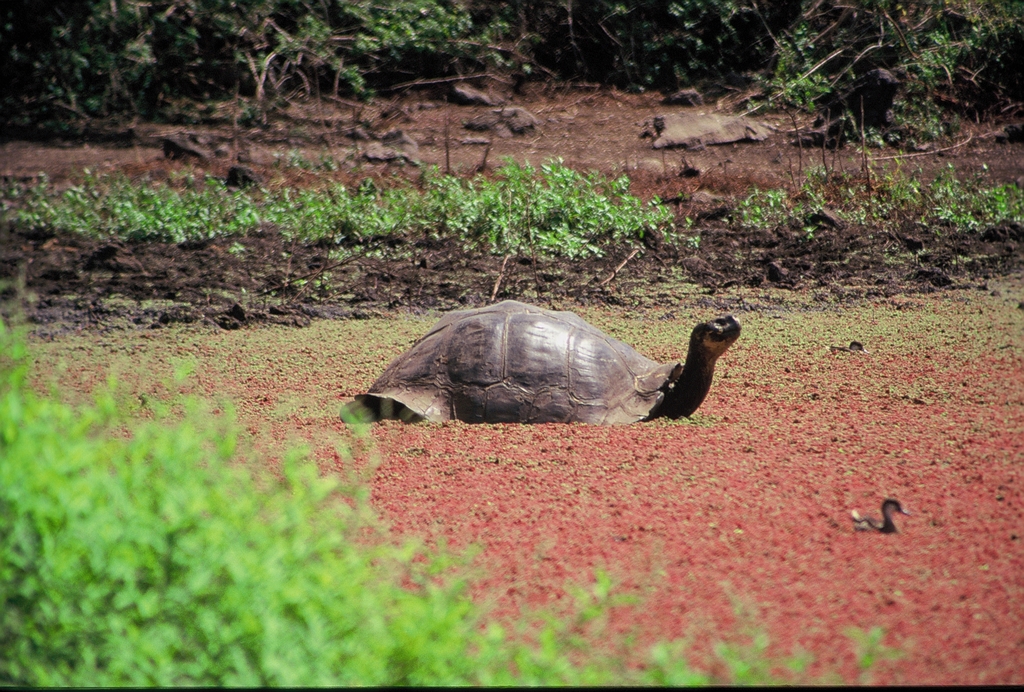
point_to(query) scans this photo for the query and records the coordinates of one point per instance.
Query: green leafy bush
(114, 206)
(559, 212)
(950, 56)
(101, 57)
(553, 212)
(949, 203)
(146, 553)
(763, 208)
(150, 559)
(70, 59)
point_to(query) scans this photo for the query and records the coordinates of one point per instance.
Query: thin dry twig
(821, 64)
(863, 146)
(899, 32)
(501, 273)
(923, 153)
(446, 80)
(311, 275)
(617, 269)
(799, 140)
(447, 141)
(805, 75)
(564, 107)
(483, 162)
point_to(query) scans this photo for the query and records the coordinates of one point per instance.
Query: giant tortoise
(516, 363)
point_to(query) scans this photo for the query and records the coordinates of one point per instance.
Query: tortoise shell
(516, 363)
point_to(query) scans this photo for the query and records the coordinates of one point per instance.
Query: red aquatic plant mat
(750, 504)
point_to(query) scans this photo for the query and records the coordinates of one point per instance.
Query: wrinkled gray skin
(516, 363)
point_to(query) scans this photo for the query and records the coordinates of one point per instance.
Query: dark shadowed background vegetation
(65, 60)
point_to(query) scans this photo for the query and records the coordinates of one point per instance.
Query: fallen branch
(805, 75)
(447, 141)
(497, 282)
(923, 153)
(344, 102)
(311, 275)
(483, 163)
(445, 80)
(619, 268)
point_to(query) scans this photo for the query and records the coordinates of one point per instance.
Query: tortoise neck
(693, 384)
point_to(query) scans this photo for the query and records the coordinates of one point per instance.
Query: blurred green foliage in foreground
(147, 553)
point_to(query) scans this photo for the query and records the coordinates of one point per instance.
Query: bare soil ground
(80, 281)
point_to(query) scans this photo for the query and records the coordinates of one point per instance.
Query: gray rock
(396, 139)
(182, 146)
(503, 121)
(356, 132)
(519, 120)
(684, 97)
(376, 152)
(482, 122)
(257, 157)
(709, 207)
(706, 198)
(700, 271)
(776, 273)
(695, 130)
(242, 176)
(465, 95)
(825, 217)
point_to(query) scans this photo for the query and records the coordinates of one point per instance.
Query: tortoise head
(709, 340)
(690, 383)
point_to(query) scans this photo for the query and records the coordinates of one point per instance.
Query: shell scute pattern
(513, 362)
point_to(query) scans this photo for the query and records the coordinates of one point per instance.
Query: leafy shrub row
(949, 203)
(552, 212)
(72, 59)
(147, 554)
